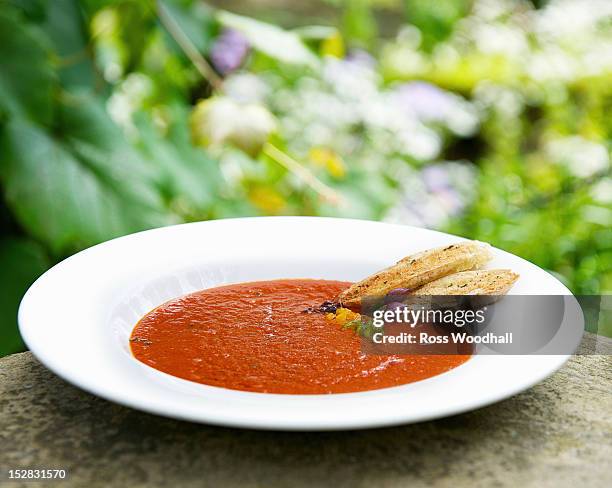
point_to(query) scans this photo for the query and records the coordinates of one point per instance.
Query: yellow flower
(328, 159)
(333, 46)
(267, 199)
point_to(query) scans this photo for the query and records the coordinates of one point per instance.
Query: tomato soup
(256, 337)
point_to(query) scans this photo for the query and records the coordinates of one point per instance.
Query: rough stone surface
(557, 434)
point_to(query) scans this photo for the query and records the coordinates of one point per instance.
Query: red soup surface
(255, 337)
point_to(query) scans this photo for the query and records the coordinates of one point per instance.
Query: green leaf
(435, 20)
(27, 78)
(75, 191)
(359, 24)
(136, 19)
(196, 22)
(190, 176)
(65, 27)
(21, 261)
(282, 45)
(99, 143)
(34, 10)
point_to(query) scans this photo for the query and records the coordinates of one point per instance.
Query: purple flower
(427, 101)
(361, 57)
(451, 200)
(229, 51)
(438, 182)
(435, 178)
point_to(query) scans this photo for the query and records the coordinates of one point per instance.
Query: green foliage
(435, 22)
(63, 26)
(189, 178)
(359, 25)
(26, 88)
(196, 21)
(21, 261)
(470, 119)
(90, 186)
(279, 44)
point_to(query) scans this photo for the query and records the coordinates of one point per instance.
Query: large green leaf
(34, 10)
(65, 27)
(75, 190)
(93, 137)
(27, 78)
(21, 261)
(271, 40)
(190, 177)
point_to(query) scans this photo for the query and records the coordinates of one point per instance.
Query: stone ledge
(558, 433)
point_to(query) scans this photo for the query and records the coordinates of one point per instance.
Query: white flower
(602, 191)
(221, 120)
(125, 101)
(582, 157)
(246, 88)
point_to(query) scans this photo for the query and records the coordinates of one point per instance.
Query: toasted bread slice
(481, 282)
(418, 269)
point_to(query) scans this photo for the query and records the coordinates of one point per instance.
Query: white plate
(78, 316)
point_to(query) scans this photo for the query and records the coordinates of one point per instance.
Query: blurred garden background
(485, 118)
